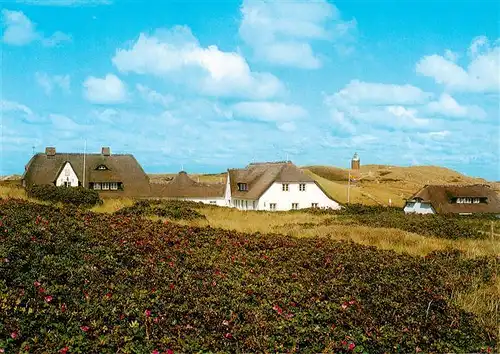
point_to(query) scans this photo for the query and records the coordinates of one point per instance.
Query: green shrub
(99, 283)
(77, 196)
(446, 226)
(172, 209)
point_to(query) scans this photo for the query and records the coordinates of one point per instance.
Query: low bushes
(172, 209)
(446, 226)
(73, 281)
(77, 196)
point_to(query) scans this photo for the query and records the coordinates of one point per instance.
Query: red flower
(352, 302)
(214, 283)
(147, 313)
(36, 284)
(48, 299)
(85, 328)
(345, 305)
(155, 352)
(64, 350)
(228, 336)
(108, 295)
(14, 335)
(40, 289)
(351, 346)
(172, 286)
(63, 307)
(278, 309)
(169, 351)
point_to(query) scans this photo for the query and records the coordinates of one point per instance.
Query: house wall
(284, 199)
(227, 195)
(245, 204)
(67, 175)
(418, 208)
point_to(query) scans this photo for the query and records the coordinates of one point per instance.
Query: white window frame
(285, 187)
(97, 186)
(213, 202)
(105, 186)
(295, 206)
(272, 206)
(113, 186)
(302, 187)
(314, 205)
(477, 200)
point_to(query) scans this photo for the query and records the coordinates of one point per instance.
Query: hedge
(77, 196)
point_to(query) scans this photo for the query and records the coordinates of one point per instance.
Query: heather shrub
(77, 196)
(172, 209)
(72, 281)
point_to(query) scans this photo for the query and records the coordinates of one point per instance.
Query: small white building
(454, 199)
(182, 187)
(275, 186)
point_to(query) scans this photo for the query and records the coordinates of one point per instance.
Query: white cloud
(153, 96)
(48, 83)
(269, 111)
(365, 93)
(449, 107)
(481, 75)
(282, 32)
(177, 54)
(20, 30)
(451, 55)
(108, 90)
(65, 2)
(11, 106)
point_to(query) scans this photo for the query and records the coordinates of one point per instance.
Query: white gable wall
(418, 208)
(67, 175)
(284, 199)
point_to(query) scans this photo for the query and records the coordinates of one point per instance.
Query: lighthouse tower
(355, 162)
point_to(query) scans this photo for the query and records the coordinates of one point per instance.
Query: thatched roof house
(183, 187)
(454, 199)
(111, 175)
(276, 186)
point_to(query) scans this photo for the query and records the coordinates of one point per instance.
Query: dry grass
(12, 192)
(113, 204)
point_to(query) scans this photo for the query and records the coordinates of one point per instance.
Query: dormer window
(242, 187)
(102, 167)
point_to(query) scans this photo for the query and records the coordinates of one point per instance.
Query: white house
(182, 187)
(67, 176)
(454, 199)
(275, 186)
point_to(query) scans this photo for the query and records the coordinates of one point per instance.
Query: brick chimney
(50, 151)
(106, 151)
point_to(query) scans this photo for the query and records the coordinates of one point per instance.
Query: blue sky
(217, 84)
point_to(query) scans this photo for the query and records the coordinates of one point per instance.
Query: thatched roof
(182, 186)
(260, 176)
(44, 169)
(441, 198)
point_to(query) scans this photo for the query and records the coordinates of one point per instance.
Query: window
(113, 186)
(285, 187)
(314, 205)
(213, 202)
(272, 206)
(66, 171)
(101, 167)
(477, 200)
(246, 204)
(295, 206)
(242, 187)
(302, 187)
(67, 184)
(97, 186)
(105, 186)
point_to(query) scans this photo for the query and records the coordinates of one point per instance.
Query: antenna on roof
(33, 147)
(182, 167)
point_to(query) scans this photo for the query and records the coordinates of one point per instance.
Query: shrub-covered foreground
(446, 226)
(79, 282)
(171, 209)
(77, 196)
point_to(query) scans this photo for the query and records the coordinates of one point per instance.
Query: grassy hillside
(376, 184)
